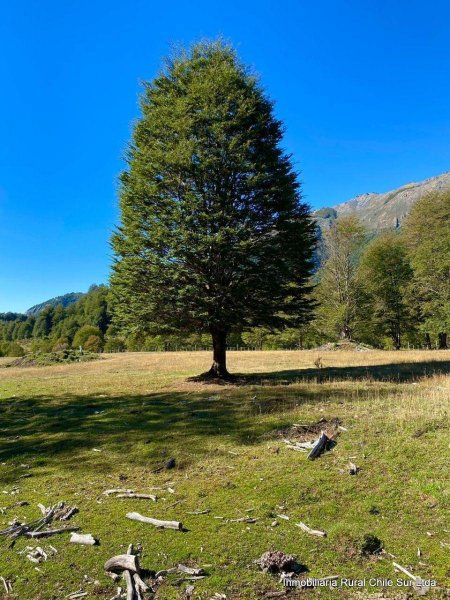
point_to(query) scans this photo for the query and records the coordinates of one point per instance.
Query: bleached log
(307, 529)
(319, 446)
(83, 538)
(123, 562)
(117, 491)
(134, 516)
(142, 496)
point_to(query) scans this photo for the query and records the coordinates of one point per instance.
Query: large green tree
(339, 293)
(214, 236)
(385, 274)
(427, 235)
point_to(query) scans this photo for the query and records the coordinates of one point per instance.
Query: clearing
(77, 430)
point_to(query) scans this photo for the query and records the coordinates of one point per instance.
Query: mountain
(65, 300)
(386, 210)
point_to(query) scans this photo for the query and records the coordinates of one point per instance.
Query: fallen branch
(134, 516)
(200, 512)
(319, 446)
(406, 572)
(139, 584)
(307, 529)
(117, 491)
(142, 496)
(48, 532)
(190, 570)
(128, 577)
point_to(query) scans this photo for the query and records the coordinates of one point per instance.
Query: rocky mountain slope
(386, 210)
(65, 300)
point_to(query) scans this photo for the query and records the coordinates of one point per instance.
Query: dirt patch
(309, 431)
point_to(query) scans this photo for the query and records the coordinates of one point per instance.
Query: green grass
(138, 410)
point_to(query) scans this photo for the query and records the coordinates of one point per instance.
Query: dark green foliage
(427, 235)
(385, 274)
(213, 234)
(84, 334)
(339, 292)
(11, 349)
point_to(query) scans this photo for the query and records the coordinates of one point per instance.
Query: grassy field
(83, 428)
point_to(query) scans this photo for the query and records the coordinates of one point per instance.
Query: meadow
(78, 430)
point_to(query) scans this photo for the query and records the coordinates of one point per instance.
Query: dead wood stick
(139, 584)
(117, 491)
(69, 514)
(319, 446)
(40, 534)
(122, 562)
(133, 495)
(190, 570)
(307, 529)
(130, 586)
(134, 516)
(403, 570)
(128, 577)
(200, 512)
(86, 539)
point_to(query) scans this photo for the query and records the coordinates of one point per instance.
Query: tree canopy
(214, 235)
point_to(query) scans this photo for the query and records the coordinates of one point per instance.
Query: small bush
(61, 345)
(11, 349)
(94, 343)
(84, 333)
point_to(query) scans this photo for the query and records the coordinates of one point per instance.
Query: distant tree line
(390, 292)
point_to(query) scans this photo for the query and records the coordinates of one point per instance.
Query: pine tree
(214, 236)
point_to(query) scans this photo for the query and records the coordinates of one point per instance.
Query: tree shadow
(393, 373)
(101, 433)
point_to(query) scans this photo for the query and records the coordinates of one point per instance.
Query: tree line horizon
(215, 239)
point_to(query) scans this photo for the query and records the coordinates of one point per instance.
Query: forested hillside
(388, 291)
(65, 300)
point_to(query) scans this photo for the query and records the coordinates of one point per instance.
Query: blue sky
(363, 87)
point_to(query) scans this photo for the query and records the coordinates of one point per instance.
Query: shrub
(84, 333)
(41, 345)
(12, 349)
(61, 344)
(94, 343)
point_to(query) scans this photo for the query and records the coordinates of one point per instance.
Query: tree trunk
(219, 367)
(396, 339)
(427, 341)
(346, 333)
(442, 341)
